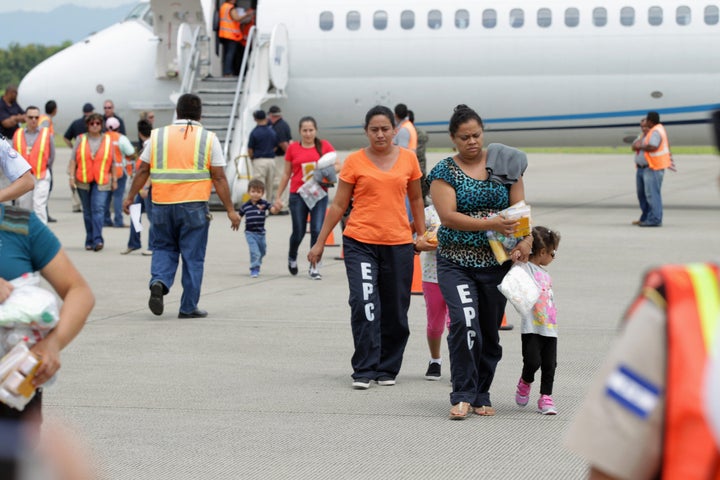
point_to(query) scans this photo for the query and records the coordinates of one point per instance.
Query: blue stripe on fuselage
(705, 109)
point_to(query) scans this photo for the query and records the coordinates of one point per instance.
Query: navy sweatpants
(380, 279)
(476, 308)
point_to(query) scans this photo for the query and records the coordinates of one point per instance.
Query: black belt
(643, 166)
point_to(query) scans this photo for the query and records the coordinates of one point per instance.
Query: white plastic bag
(29, 305)
(28, 314)
(520, 288)
(311, 192)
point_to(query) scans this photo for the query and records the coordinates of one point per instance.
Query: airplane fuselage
(558, 77)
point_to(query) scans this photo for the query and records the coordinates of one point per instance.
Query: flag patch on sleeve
(633, 392)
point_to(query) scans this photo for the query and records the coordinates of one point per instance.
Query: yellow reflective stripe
(19, 143)
(83, 159)
(103, 164)
(707, 294)
(181, 178)
(200, 144)
(41, 152)
(206, 149)
(163, 139)
(658, 153)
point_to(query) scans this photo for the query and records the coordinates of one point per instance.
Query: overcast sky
(47, 5)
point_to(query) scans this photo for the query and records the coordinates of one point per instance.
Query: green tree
(16, 61)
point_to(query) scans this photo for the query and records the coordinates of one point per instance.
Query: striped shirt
(255, 214)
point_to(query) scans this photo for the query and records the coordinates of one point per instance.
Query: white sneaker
(314, 273)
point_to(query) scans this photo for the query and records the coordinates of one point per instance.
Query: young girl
(438, 318)
(539, 330)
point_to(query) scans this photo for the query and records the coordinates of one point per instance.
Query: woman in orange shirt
(378, 246)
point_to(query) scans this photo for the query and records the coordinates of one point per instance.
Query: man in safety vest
(651, 170)
(37, 147)
(231, 36)
(184, 161)
(46, 119)
(123, 163)
(653, 411)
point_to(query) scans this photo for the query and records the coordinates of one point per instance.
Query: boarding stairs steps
(217, 94)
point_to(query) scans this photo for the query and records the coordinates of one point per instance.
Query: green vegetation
(16, 61)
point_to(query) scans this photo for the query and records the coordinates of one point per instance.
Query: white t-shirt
(429, 258)
(217, 159)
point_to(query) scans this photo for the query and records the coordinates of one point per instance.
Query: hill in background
(69, 22)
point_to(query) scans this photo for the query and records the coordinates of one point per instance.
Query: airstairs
(228, 103)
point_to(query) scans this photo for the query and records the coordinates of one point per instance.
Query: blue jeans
(649, 184)
(180, 230)
(117, 200)
(258, 247)
(145, 206)
(299, 213)
(114, 201)
(230, 49)
(93, 209)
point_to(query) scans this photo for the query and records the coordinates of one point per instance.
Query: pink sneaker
(546, 406)
(522, 394)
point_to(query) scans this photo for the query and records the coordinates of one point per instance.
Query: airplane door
(184, 46)
(279, 56)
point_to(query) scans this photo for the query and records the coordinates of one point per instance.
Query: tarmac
(260, 389)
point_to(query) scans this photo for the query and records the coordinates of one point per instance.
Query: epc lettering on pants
(367, 288)
(469, 312)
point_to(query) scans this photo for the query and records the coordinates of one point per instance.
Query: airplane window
(655, 16)
(326, 21)
(627, 16)
(572, 17)
(353, 20)
(517, 17)
(682, 15)
(600, 17)
(434, 19)
(138, 11)
(407, 19)
(380, 20)
(149, 18)
(712, 14)
(544, 17)
(489, 18)
(462, 19)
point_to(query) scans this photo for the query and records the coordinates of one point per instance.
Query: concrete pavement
(261, 388)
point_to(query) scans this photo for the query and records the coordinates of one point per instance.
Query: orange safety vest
(120, 163)
(38, 155)
(660, 158)
(228, 28)
(95, 168)
(45, 121)
(180, 163)
(693, 317)
(412, 144)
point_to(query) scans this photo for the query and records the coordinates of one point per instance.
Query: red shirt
(303, 161)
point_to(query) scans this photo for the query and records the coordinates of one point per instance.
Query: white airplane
(539, 72)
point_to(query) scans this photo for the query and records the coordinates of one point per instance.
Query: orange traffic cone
(505, 325)
(342, 254)
(416, 288)
(330, 241)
